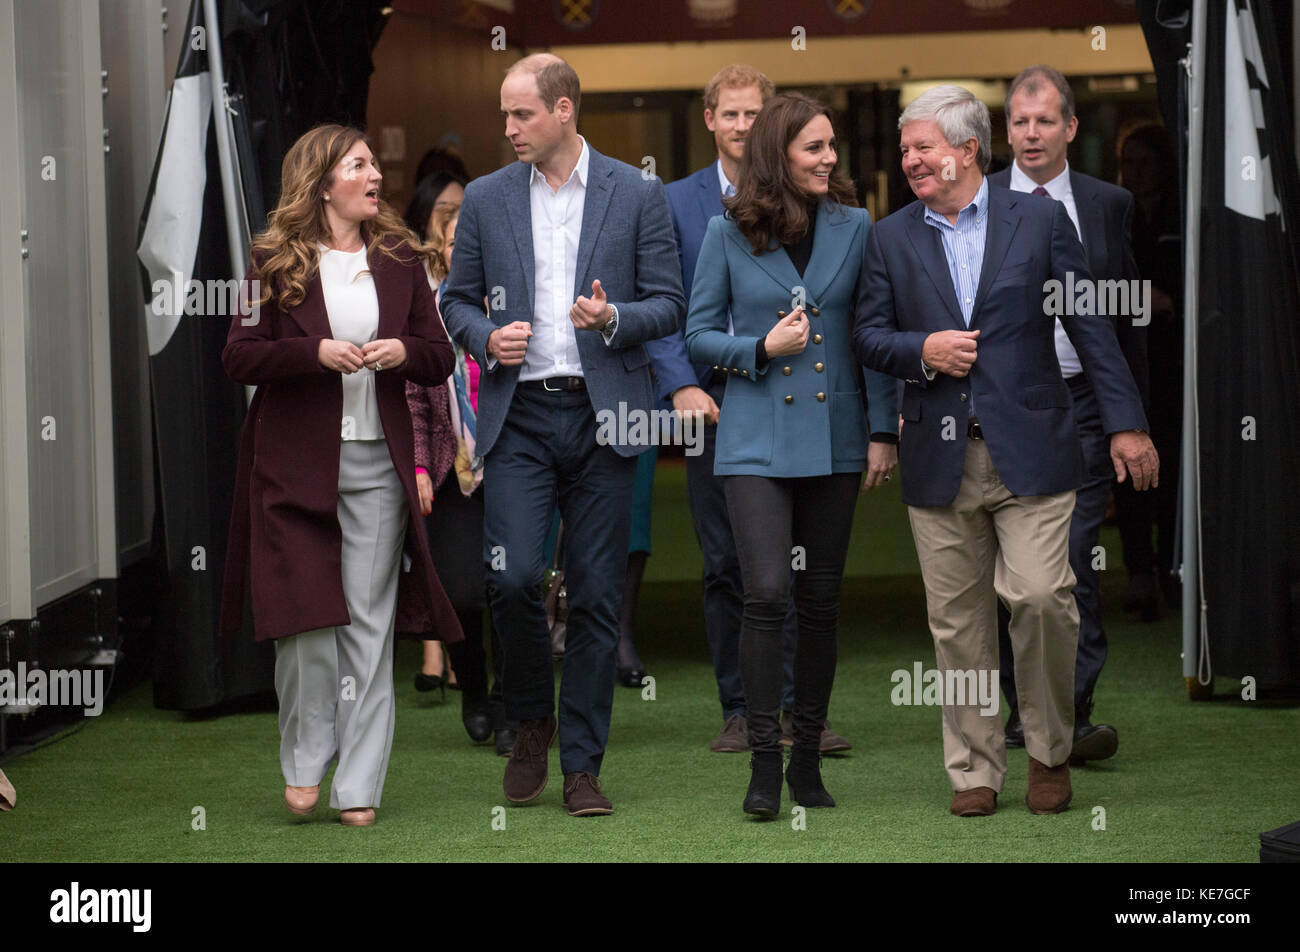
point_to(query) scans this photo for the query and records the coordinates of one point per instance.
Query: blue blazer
(1024, 406)
(1106, 222)
(802, 414)
(692, 201)
(626, 242)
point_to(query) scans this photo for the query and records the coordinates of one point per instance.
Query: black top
(801, 251)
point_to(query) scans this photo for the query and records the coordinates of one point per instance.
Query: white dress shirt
(353, 309)
(557, 228)
(1059, 189)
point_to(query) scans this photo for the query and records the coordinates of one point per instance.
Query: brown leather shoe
(1049, 787)
(977, 801)
(301, 800)
(582, 796)
(526, 771)
(831, 742)
(733, 738)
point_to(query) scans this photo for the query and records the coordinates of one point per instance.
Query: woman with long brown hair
(338, 316)
(794, 435)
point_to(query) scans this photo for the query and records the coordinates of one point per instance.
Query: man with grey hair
(1040, 126)
(952, 301)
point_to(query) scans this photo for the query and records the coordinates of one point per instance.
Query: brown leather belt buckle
(973, 430)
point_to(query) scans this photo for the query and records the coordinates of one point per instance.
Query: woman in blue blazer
(772, 304)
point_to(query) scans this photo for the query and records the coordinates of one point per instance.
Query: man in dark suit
(732, 100)
(575, 256)
(955, 301)
(1040, 125)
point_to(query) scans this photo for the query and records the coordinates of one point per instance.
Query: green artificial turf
(1191, 781)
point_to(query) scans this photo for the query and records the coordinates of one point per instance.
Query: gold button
(821, 398)
(816, 311)
(817, 338)
(780, 313)
(819, 367)
(963, 398)
(716, 367)
(789, 398)
(786, 371)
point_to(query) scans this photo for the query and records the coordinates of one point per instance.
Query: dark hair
(426, 193)
(768, 207)
(442, 160)
(1031, 79)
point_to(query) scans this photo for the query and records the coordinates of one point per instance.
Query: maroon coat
(284, 527)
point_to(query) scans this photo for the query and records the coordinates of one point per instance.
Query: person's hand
(591, 313)
(1133, 453)
(424, 486)
(688, 400)
(387, 354)
(882, 458)
(507, 345)
(340, 355)
(950, 352)
(789, 336)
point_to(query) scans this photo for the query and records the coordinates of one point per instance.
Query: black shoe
(478, 724)
(430, 682)
(763, 798)
(805, 779)
(505, 740)
(1092, 742)
(1015, 731)
(630, 677)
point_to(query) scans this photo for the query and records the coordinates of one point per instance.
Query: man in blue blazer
(1040, 125)
(574, 253)
(957, 300)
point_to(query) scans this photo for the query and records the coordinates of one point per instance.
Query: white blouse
(353, 309)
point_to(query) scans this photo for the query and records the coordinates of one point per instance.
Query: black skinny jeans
(769, 518)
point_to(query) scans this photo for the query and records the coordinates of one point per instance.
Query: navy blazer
(692, 201)
(1024, 405)
(800, 414)
(1106, 223)
(626, 242)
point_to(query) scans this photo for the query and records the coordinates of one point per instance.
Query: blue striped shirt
(963, 246)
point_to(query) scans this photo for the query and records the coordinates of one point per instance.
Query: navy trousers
(547, 453)
(1085, 526)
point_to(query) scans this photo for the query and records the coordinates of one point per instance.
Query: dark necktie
(1039, 191)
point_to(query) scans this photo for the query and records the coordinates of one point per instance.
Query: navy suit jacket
(1024, 405)
(692, 201)
(626, 242)
(1106, 222)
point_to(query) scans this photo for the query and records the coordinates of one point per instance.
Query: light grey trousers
(335, 685)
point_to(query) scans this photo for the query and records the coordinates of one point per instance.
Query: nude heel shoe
(301, 800)
(358, 816)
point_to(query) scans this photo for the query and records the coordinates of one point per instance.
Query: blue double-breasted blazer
(800, 414)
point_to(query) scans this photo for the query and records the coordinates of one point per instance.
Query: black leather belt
(973, 430)
(556, 384)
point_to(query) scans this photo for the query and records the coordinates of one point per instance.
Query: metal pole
(236, 228)
(1191, 278)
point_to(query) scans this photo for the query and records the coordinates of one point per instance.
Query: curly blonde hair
(285, 254)
(443, 215)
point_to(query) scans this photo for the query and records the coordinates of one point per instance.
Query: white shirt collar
(1057, 188)
(579, 170)
(723, 182)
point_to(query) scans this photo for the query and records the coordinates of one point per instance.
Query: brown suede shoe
(526, 771)
(733, 738)
(1049, 787)
(582, 796)
(977, 801)
(831, 742)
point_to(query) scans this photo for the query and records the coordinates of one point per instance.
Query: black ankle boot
(805, 779)
(764, 795)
